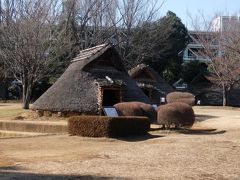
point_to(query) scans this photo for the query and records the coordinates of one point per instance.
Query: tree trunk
(26, 100)
(27, 92)
(225, 97)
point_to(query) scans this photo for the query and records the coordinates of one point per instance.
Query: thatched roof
(77, 89)
(210, 93)
(152, 79)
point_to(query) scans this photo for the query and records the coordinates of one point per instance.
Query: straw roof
(152, 80)
(77, 89)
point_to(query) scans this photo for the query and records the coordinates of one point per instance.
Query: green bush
(103, 126)
(179, 114)
(136, 109)
(184, 97)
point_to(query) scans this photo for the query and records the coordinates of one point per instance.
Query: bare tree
(86, 22)
(99, 21)
(30, 30)
(133, 14)
(26, 33)
(221, 46)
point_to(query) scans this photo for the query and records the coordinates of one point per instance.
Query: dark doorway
(110, 97)
(146, 92)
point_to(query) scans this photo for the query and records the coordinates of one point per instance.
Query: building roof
(160, 84)
(77, 89)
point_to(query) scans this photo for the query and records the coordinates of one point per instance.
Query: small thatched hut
(150, 82)
(95, 78)
(211, 94)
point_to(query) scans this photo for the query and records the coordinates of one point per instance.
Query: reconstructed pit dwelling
(150, 82)
(95, 78)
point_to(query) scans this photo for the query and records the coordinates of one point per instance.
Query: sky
(208, 7)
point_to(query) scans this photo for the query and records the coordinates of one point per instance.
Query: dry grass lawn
(9, 110)
(211, 150)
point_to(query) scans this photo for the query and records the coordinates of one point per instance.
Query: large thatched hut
(150, 82)
(95, 78)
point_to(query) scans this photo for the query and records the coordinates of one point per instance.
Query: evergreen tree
(159, 44)
(191, 69)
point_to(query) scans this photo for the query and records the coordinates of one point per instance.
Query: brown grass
(163, 155)
(11, 110)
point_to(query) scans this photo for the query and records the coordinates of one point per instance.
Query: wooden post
(101, 99)
(120, 95)
(150, 94)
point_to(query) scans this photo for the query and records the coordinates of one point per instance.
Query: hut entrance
(111, 97)
(147, 92)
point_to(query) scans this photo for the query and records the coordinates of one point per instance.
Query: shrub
(103, 126)
(187, 114)
(168, 115)
(136, 109)
(179, 114)
(184, 97)
(150, 112)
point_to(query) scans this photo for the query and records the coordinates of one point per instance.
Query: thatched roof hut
(211, 94)
(95, 78)
(150, 82)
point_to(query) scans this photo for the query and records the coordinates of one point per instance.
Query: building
(225, 23)
(195, 49)
(150, 82)
(95, 78)
(211, 94)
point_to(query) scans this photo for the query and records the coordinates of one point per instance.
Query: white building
(194, 49)
(225, 23)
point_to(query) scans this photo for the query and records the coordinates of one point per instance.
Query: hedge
(168, 115)
(188, 117)
(179, 114)
(136, 109)
(184, 97)
(104, 126)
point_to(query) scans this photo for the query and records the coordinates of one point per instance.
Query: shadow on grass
(8, 168)
(201, 131)
(208, 131)
(144, 137)
(27, 176)
(200, 117)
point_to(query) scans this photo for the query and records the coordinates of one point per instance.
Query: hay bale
(103, 126)
(184, 97)
(187, 114)
(136, 109)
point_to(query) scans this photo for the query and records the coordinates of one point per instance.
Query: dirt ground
(210, 151)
